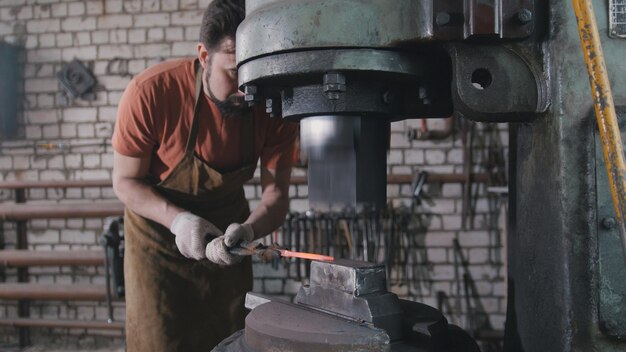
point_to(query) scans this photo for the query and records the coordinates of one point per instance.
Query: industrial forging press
(346, 69)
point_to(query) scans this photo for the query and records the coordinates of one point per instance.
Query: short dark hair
(220, 21)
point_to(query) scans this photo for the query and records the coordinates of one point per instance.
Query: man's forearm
(145, 201)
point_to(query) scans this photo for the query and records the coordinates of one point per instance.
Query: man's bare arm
(270, 213)
(129, 184)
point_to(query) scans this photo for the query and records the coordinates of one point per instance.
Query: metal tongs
(273, 252)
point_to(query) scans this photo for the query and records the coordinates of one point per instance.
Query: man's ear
(203, 55)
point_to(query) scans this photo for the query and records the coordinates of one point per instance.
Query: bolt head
(442, 18)
(609, 222)
(525, 16)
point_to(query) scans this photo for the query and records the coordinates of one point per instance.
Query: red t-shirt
(155, 114)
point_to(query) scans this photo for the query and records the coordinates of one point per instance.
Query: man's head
(216, 52)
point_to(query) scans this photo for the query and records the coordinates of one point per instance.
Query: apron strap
(193, 132)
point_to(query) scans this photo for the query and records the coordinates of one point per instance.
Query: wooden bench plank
(16, 212)
(54, 292)
(21, 258)
(70, 324)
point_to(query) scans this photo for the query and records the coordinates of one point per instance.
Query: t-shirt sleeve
(135, 134)
(279, 151)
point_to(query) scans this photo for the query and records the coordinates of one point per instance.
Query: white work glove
(191, 234)
(217, 250)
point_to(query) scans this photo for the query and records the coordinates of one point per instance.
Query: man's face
(220, 78)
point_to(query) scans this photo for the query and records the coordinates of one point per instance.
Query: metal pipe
(23, 307)
(19, 212)
(69, 324)
(606, 116)
(20, 258)
(55, 292)
(295, 180)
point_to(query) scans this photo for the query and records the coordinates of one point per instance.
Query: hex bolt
(525, 16)
(609, 222)
(442, 19)
(334, 84)
(249, 94)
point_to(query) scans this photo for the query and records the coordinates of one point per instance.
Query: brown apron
(179, 304)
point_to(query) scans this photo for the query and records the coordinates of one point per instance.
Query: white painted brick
(439, 239)
(86, 130)
(80, 114)
(114, 99)
(114, 51)
(6, 28)
(100, 37)
(184, 49)
(300, 205)
(6, 163)
(103, 129)
(434, 156)
(136, 66)
(118, 36)
(152, 20)
(115, 21)
(132, 6)
(33, 132)
(152, 50)
(59, 10)
(442, 206)
(192, 33)
(91, 161)
(151, 5)
(41, 85)
(41, 237)
(442, 272)
(106, 161)
(455, 156)
(51, 131)
(72, 24)
(114, 82)
(474, 239)
(92, 174)
(21, 162)
(137, 35)
(452, 190)
(113, 6)
(397, 126)
(41, 11)
(169, 5)
(23, 13)
(174, 34)
(186, 18)
(73, 161)
(82, 38)
(76, 8)
(414, 156)
(56, 162)
(75, 223)
(188, 4)
(52, 175)
(64, 39)
(43, 55)
(303, 191)
(107, 113)
(83, 53)
(399, 140)
(437, 255)
(77, 236)
(45, 70)
(68, 130)
(47, 40)
(32, 42)
(94, 7)
(156, 35)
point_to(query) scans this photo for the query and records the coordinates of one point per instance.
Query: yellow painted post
(605, 110)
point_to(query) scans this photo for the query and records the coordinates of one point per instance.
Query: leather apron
(179, 304)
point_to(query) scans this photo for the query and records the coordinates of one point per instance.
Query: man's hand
(191, 231)
(217, 250)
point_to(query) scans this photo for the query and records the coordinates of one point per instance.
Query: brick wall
(118, 39)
